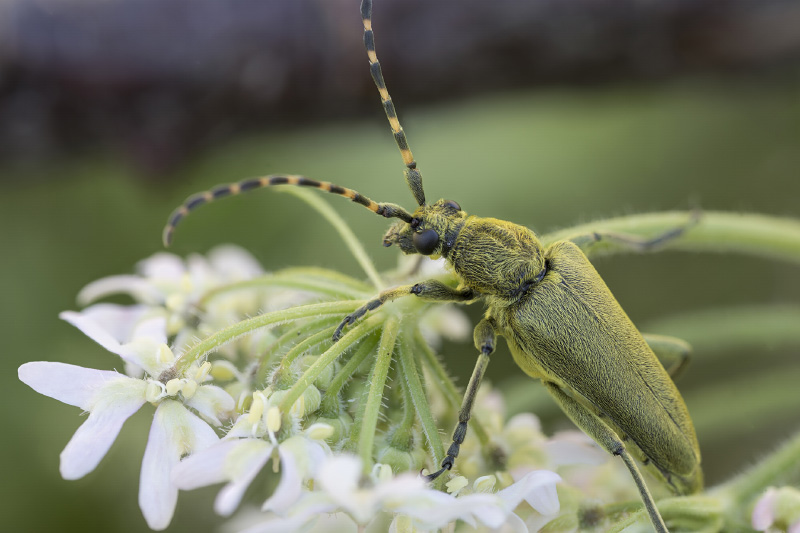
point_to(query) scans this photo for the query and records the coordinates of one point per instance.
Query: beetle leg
(634, 243)
(431, 289)
(670, 351)
(485, 337)
(598, 430)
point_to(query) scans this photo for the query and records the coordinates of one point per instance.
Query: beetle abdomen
(569, 329)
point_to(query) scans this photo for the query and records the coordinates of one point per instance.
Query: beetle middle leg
(634, 243)
(598, 430)
(485, 338)
(431, 289)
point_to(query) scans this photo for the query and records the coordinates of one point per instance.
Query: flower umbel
(246, 382)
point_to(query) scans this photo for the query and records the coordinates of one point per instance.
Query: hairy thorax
(496, 258)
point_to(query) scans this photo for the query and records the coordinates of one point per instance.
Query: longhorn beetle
(562, 324)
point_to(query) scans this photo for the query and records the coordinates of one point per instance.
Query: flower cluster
(267, 388)
(244, 376)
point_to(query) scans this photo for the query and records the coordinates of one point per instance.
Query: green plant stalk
(780, 467)
(716, 231)
(344, 231)
(283, 372)
(369, 422)
(233, 332)
(330, 401)
(290, 336)
(420, 399)
(327, 358)
(720, 329)
(298, 282)
(450, 391)
(401, 437)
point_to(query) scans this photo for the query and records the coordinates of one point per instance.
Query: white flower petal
(123, 330)
(205, 467)
(538, 488)
(764, 511)
(241, 465)
(212, 403)
(513, 524)
(234, 263)
(175, 432)
(339, 475)
(140, 289)
(163, 266)
(70, 384)
(90, 443)
(289, 487)
(109, 325)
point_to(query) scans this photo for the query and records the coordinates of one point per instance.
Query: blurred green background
(544, 157)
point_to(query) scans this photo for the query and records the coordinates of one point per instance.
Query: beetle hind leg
(598, 430)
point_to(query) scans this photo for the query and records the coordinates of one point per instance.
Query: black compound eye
(426, 241)
(453, 204)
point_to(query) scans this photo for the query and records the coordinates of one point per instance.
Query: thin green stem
(718, 330)
(327, 287)
(289, 337)
(327, 358)
(716, 231)
(282, 373)
(330, 402)
(369, 423)
(420, 400)
(224, 336)
(782, 466)
(344, 230)
(401, 436)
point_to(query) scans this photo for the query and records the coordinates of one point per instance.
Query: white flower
(111, 398)
(243, 453)
(165, 280)
(778, 508)
(165, 274)
(428, 509)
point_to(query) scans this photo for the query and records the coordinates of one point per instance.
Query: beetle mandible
(560, 320)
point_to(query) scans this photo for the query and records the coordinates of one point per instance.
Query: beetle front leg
(485, 337)
(431, 289)
(598, 430)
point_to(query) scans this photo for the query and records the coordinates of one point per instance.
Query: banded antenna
(412, 173)
(386, 210)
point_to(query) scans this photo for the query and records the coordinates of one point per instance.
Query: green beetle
(559, 318)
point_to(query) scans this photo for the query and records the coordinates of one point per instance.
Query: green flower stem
(781, 467)
(369, 422)
(290, 337)
(330, 402)
(419, 398)
(344, 230)
(283, 373)
(327, 358)
(317, 285)
(401, 437)
(760, 235)
(244, 327)
(717, 331)
(450, 391)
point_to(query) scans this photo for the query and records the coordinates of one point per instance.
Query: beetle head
(432, 230)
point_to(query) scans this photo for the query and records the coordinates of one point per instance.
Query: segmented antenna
(221, 191)
(413, 176)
